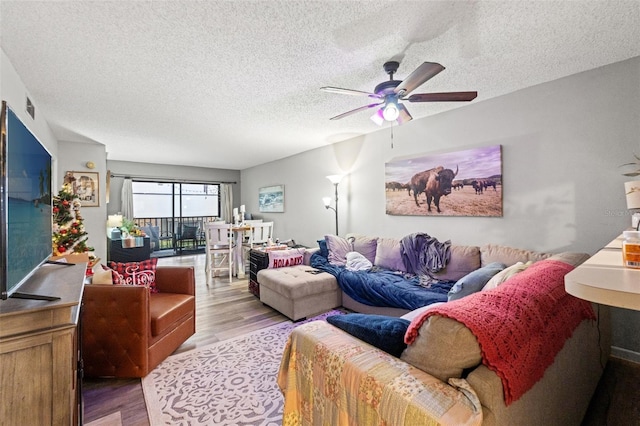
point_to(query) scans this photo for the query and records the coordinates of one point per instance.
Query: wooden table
(238, 251)
(603, 279)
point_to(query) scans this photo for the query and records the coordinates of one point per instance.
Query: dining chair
(250, 222)
(219, 249)
(259, 234)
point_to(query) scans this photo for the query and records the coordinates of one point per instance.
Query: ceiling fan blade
(421, 74)
(353, 111)
(443, 97)
(404, 115)
(348, 92)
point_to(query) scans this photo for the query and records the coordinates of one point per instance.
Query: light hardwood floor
(225, 310)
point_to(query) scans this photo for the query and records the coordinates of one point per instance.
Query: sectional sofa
(452, 368)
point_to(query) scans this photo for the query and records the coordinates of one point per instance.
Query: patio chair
(188, 233)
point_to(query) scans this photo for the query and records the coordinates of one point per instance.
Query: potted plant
(633, 164)
(130, 231)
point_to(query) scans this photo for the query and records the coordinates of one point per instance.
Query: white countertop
(603, 279)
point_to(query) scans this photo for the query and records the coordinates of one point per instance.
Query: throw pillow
(383, 332)
(504, 275)
(474, 281)
(409, 316)
(389, 254)
(137, 273)
(364, 245)
(338, 249)
(282, 258)
(102, 276)
(115, 277)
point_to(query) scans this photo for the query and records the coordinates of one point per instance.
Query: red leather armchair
(127, 332)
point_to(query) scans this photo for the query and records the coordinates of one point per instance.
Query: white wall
(66, 155)
(13, 90)
(562, 145)
(74, 157)
(169, 172)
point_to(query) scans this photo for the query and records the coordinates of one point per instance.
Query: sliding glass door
(174, 213)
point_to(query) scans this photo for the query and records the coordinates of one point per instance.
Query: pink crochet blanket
(520, 326)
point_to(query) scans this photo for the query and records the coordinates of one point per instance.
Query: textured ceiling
(233, 84)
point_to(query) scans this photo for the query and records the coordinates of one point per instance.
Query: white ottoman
(297, 293)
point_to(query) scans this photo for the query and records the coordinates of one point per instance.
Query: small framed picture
(86, 186)
(271, 199)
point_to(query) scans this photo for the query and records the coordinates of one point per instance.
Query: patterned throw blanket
(520, 326)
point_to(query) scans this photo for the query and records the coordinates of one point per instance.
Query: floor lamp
(335, 180)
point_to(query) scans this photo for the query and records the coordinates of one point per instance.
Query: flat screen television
(25, 203)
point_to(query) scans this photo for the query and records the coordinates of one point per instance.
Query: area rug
(232, 382)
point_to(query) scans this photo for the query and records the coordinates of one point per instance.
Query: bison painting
(435, 183)
(449, 174)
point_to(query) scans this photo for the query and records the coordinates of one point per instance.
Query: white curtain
(226, 202)
(127, 199)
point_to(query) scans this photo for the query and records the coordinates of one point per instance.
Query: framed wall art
(457, 183)
(271, 199)
(86, 186)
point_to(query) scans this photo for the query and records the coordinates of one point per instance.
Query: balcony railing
(176, 234)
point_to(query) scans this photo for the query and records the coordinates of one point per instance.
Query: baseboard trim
(625, 354)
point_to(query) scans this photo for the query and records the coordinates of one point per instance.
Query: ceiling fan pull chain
(391, 135)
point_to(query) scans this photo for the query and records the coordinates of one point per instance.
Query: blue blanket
(383, 287)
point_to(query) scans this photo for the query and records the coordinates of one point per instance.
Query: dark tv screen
(25, 210)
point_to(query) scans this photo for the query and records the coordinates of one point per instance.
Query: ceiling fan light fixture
(389, 93)
(390, 112)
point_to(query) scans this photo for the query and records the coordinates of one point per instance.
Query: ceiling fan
(390, 93)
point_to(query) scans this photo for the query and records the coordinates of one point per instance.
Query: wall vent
(31, 109)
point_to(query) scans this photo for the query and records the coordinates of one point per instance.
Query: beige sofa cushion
(464, 259)
(443, 348)
(573, 259)
(508, 255)
(296, 282)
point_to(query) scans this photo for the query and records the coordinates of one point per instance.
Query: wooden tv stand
(40, 377)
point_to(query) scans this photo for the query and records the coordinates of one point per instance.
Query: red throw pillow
(137, 273)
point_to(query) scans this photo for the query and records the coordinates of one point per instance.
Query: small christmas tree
(69, 235)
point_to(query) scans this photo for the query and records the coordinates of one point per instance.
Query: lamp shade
(326, 201)
(632, 191)
(114, 220)
(335, 179)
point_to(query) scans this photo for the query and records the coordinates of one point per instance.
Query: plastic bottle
(631, 249)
